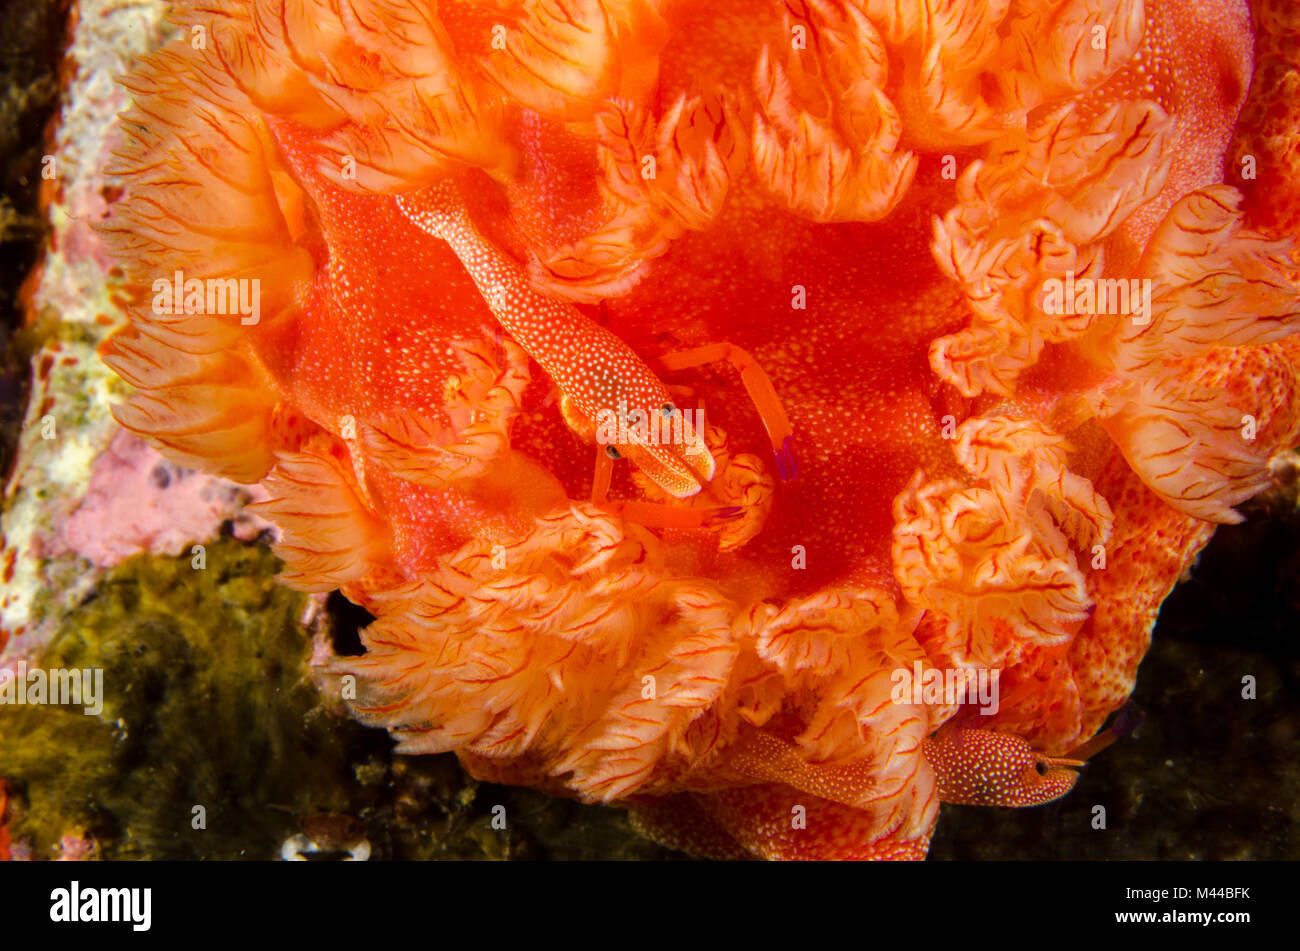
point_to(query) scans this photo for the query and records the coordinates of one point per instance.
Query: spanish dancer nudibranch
(995, 273)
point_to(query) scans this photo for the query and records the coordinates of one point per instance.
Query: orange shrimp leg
(1128, 720)
(654, 514)
(604, 471)
(760, 389)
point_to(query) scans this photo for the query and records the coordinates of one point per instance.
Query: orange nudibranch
(404, 192)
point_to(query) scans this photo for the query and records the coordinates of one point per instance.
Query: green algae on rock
(207, 704)
(210, 701)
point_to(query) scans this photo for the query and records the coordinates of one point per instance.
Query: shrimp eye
(613, 453)
(667, 410)
(1041, 767)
